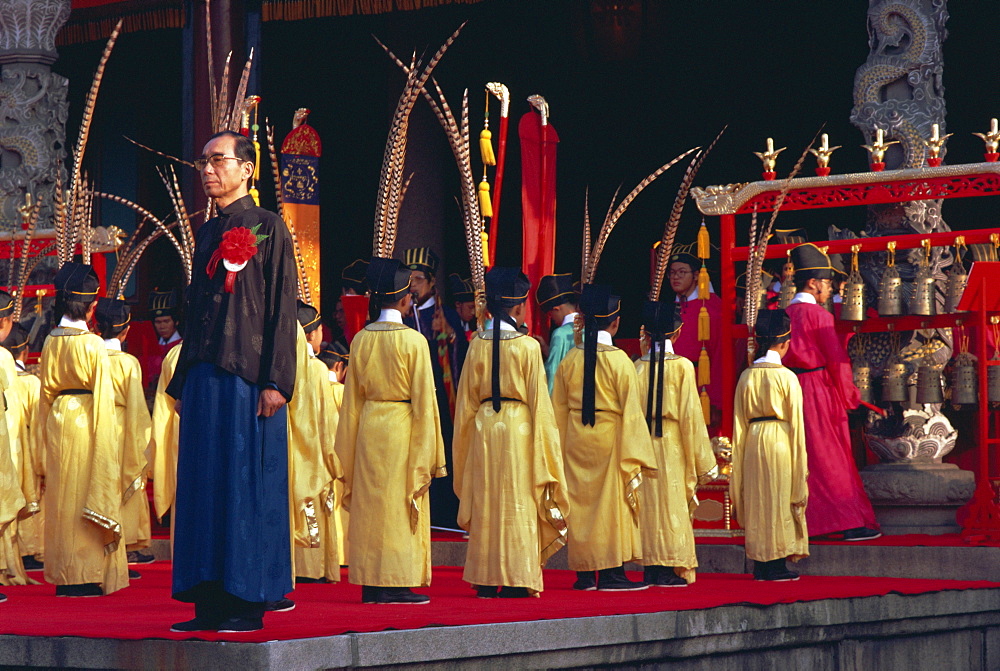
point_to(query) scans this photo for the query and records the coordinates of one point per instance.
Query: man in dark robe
(235, 373)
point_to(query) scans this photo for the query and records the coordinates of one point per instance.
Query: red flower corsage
(236, 249)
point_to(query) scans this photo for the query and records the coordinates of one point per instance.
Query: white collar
(604, 338)
(333, 377)
(429, 303)
(693, 296)
(770, 357)
(173, 338)
(390, 315)
(803, 297)
(20, 365)
(569, 319)
(668, 346)
(73, 323)
(312, 354)
(504, 326)
(113, 344)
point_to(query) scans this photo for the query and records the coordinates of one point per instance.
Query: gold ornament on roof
(823, 153)
(991, 138)
(769, 156)
(878, 147)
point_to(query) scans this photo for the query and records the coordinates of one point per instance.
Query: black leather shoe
(302, 579)
(486, 591)
(241, 625)
(776, 571)
(401, 596)
(586, 581)
(615, 580)
(861, 534)
(514, 593)
(3, 597)
(86, 589)
(369, 594)
(279, 606)
(136, 557)
(197, 624)
(668, 578)
(32, 564)
(133, 575)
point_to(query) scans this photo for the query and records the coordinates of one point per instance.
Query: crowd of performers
(544, 444)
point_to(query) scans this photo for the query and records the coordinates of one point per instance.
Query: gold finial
(992, 140)
(878, 147)
(769, 155)
(934, 145)
(823, 153)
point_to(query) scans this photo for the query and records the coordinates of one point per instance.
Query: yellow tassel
(485, 204)
(485, 237)
(486, 147)
(704, 368)
(706, 407)
(704, 330)
(703, 284)
(704, 244)
(256, 195)
(256, 164)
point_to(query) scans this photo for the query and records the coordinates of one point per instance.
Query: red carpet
(902, 540)
(145, 610)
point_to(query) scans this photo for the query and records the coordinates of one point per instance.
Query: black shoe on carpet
(615, 580)
(239, 625)
(32, 564)
(486, 591)
(86, 589)
(279, 606)
(774, 571)
(133, 574)
(586, 581)
(369, 594)
(861, 534)
(3, 597)
(197, 624)
(514, 593)
(668, 578)
(136, 557)
(400, 596)
(299, 580)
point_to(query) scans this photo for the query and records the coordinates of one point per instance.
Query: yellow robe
(389, 442)
(508, 465)
(12, 500)
(343, 517)
(768, 486)
(683, 455)
(604, 462)
(82, 463)
(21, 418)
(164, 433)
(312, 430)
(134, 426)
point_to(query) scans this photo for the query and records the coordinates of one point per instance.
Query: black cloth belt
(502, 398)
(389, 400)
(768, 418)
(68, 392)
(800, 371)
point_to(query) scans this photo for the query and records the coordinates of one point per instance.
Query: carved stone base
(917, 498)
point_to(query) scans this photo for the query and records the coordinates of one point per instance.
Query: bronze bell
(853, 293)
(957, 279)
(924, 299)
(929, 385)
(890, 297)
(863, 379)
(787, 292)
(964, 380)
(894, 381)
(993, 382)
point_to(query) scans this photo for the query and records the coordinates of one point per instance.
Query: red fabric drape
(538, 205)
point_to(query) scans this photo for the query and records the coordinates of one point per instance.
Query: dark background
(624, 100)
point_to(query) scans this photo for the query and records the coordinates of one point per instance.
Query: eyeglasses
(217, 161)
(679, 273)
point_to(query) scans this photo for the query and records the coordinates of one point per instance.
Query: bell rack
(862, 189)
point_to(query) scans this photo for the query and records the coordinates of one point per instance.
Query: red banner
(538, 205)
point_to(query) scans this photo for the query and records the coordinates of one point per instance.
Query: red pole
(984, 404)
(497, 188)
(727, 241)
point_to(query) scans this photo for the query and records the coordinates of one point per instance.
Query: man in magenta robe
(683, 277)
(837, 499)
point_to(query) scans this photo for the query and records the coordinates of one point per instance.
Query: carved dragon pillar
(899, 89)
(33, 107)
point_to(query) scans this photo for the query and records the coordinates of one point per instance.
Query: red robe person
(837, 499)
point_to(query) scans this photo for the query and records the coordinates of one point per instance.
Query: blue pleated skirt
(231, 520)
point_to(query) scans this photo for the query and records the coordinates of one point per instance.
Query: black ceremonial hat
(554, 290)
(333, 353)
(660, 318)
(308, 317)
(461, 290)
(812, 261)
(421, 258)
(6, 304)
(163, 303)
(599, 303)
(113, 312)
(772, 324)
(790, 236)
(690, 259)
(17, 340)
(506, 287)
(387, 277)
(353, 276)
(78, 281)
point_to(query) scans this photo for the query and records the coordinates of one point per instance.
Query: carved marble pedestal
(917, 498)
